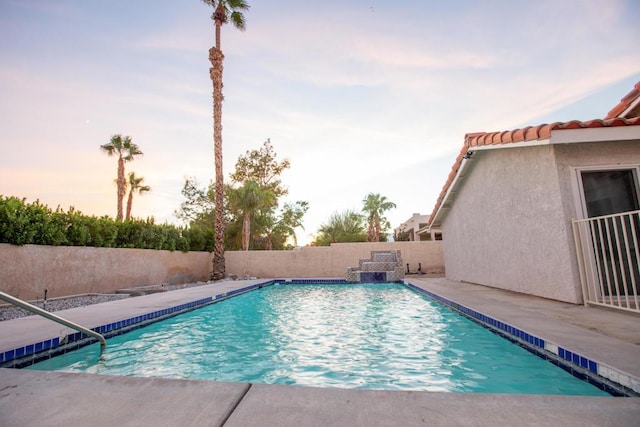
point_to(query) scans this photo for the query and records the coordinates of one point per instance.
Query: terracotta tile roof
(535, 133)
(529, 133)
(625, 103)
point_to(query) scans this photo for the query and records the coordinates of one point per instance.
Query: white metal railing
(608, 254)
(37, 310)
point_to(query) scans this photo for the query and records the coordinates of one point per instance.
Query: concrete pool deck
(54, 398)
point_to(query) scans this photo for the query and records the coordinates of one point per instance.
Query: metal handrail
(37, 310)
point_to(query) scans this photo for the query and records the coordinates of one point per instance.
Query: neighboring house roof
(530, 135)
(629, 105)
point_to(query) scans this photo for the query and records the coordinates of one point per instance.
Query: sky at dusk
(361, 96)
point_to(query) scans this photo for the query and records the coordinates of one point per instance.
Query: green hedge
(23, 223)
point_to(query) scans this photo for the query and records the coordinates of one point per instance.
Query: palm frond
(233, 11)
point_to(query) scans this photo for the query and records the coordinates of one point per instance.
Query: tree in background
(342, 227)
(402, 236)
(225, 10)
(246, 201)
(374, 207)
(271, 227)
(281, 227)
(198, 206)
(126, 151)
(262, 167)
(135, 185)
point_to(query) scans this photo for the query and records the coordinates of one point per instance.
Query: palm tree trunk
(246, 231)
(371, 232)
(129, 203)
(121, 189)
(216, 57)
(218, 17)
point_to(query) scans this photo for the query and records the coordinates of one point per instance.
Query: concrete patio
(53, 398)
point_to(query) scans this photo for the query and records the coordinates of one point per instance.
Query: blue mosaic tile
(19, 352)
(584, 362)
(9, 355)
(593, 366)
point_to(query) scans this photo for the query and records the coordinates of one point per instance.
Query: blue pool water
(375, 336)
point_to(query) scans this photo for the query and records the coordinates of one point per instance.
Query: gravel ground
(8, 312)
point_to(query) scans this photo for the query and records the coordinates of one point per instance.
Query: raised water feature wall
(382, 266)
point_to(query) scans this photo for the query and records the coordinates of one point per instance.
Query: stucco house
(413, 225)
(512, 200)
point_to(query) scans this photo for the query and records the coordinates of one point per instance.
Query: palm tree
(249, 199)
(375, 206)
(126, 152)
(135, 184)
(342, 227)
(225, 10)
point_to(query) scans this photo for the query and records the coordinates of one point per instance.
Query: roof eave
(601, 134)
(457, 181)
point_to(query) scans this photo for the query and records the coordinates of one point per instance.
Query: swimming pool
(377, 336)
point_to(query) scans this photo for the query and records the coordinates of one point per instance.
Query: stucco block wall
(26, 271)
(331, 261)
(507, 227)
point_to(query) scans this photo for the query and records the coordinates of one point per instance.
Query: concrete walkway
(30, 398)
(54, 398)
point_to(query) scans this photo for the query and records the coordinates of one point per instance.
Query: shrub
(23, 223)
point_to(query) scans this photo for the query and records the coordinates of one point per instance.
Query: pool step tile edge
(579, 364)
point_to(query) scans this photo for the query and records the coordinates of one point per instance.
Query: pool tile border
(605, 377)
(32, 353)
(586, 369)
(51, 347)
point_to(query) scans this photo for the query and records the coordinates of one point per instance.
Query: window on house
(614, 239)
(610, 192)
